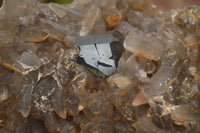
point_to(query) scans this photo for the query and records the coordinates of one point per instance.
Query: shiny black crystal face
(101, 51)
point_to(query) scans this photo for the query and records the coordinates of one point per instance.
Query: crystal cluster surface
(44, 88)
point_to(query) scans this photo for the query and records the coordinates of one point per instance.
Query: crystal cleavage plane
(101, 52)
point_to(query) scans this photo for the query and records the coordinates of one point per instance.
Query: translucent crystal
(26, 102)
(184, 115)
(89, 20)
(20, 9)
(145, 46)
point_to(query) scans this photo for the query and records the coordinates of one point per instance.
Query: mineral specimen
(152, 81)
(101, 51)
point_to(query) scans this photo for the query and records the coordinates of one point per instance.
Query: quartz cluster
(43, 87)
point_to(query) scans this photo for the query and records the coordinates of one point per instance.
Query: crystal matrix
(43, 88)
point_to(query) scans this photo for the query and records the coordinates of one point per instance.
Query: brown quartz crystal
(43, 87)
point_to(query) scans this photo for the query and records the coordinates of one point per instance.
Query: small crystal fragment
(89, 20)
(113, 18)
(145, 46)
(26, 101)
(140, 99)
(4, 92)
(184, 115)
(59, 10)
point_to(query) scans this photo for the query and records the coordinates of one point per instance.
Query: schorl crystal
(101, 51)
